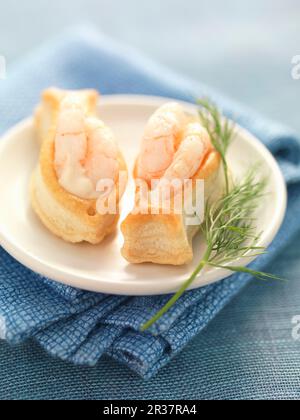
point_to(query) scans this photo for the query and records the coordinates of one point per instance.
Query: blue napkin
(80, 326)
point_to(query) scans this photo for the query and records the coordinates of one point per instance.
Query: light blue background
(243, 48)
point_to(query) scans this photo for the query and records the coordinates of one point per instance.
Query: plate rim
(35, 264)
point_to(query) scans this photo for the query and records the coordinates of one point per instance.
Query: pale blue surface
(266, 365)
(243, 48)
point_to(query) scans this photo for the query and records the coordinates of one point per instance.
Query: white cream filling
(74, 180)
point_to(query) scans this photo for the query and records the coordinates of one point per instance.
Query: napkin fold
(80, 326)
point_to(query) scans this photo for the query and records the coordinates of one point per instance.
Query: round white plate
(101, 268)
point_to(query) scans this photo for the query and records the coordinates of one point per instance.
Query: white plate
(101, 268)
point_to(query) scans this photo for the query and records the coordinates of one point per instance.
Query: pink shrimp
(172, 147)
(191, 153)
(85, 149)
(160, 139)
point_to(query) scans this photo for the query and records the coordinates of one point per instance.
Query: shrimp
(161, 137)
(102, 152)
(188, 158)
(173, 147)
(191, 153)
(70, 139)
(85, 150)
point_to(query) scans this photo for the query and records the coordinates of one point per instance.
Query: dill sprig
(229, 227)
(220, 130)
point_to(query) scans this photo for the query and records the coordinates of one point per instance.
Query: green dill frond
(220, 130)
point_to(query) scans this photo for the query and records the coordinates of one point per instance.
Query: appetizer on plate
(78, 151)
(175, 149)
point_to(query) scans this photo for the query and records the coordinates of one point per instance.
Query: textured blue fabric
(81, 327)
(246, 352)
